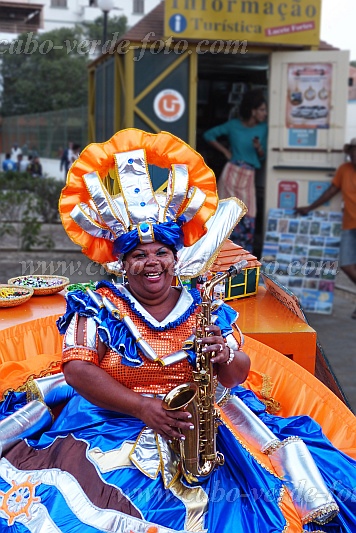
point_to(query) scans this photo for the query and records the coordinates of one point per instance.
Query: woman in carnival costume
(107, 461)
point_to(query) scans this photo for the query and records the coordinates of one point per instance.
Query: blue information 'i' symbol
(177, 23)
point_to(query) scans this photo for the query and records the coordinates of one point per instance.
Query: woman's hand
(258, 146)
(165, 423)
(233, 373)
(215, 342)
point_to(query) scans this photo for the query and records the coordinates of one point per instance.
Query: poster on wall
(316, 189)
(308, 95)
(302, 253)
(287, 194)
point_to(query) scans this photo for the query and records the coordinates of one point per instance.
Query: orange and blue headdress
(108, 205)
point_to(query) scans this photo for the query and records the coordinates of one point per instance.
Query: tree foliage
(48, 71)
(115, 25)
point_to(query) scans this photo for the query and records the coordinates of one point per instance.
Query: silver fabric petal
(293, 462)
(52, 390)
(177, 189)
(152, 455)
(198, 258)
(87, 219)
(196, 199)
(169, 461)
(247, 424)
(136, 187)
(104, 204)
(145, 454)
(120, 206)
(26, 421)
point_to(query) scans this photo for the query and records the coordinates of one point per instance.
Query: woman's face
(260, 113)
(149, 269)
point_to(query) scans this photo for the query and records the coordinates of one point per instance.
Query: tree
(43, 72)
(115, 25)
(48, 71)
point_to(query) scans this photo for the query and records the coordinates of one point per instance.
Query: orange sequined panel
(151, 377)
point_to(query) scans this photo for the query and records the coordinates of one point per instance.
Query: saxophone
(198, 454)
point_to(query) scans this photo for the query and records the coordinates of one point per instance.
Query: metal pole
(105, 26)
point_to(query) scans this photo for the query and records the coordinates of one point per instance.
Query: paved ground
(337, 336)
(336, 332)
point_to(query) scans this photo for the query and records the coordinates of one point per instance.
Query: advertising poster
(287, 194)
(302, 137)
(316, 189)
(308, 95)
(302, 254)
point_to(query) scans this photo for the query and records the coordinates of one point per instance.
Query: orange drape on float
(38, 343)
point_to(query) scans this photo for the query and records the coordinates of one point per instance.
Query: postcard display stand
(302, 254)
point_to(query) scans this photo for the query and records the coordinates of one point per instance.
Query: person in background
(66, 159)
(8, 164)
(344, 181)
(247, 138)
(35, 167)
(15, 152)
(22, 163)
(75, 153)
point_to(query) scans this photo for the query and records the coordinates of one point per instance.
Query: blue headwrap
(168, 233)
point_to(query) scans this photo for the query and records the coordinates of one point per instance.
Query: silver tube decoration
(51, 390)
(293, 462)
(252, 429)
(25, 422)
(96, 297)
(198, 258)
(146, 349)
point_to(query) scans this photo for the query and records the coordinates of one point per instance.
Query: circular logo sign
(169, 105)
(177, 23)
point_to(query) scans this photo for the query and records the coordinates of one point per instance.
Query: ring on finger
(221, 347)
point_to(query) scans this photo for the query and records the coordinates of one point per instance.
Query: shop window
(58, 3)
(138, 7)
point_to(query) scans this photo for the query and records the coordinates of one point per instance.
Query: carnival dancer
(116, 458)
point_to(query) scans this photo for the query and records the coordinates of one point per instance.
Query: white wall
(79, 11)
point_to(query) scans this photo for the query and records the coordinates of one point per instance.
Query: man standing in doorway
(344, 181)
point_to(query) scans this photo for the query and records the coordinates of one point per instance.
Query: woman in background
(247, 138)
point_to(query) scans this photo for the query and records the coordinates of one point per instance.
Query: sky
(338, 19)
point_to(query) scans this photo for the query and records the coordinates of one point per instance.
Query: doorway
(222, 79)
